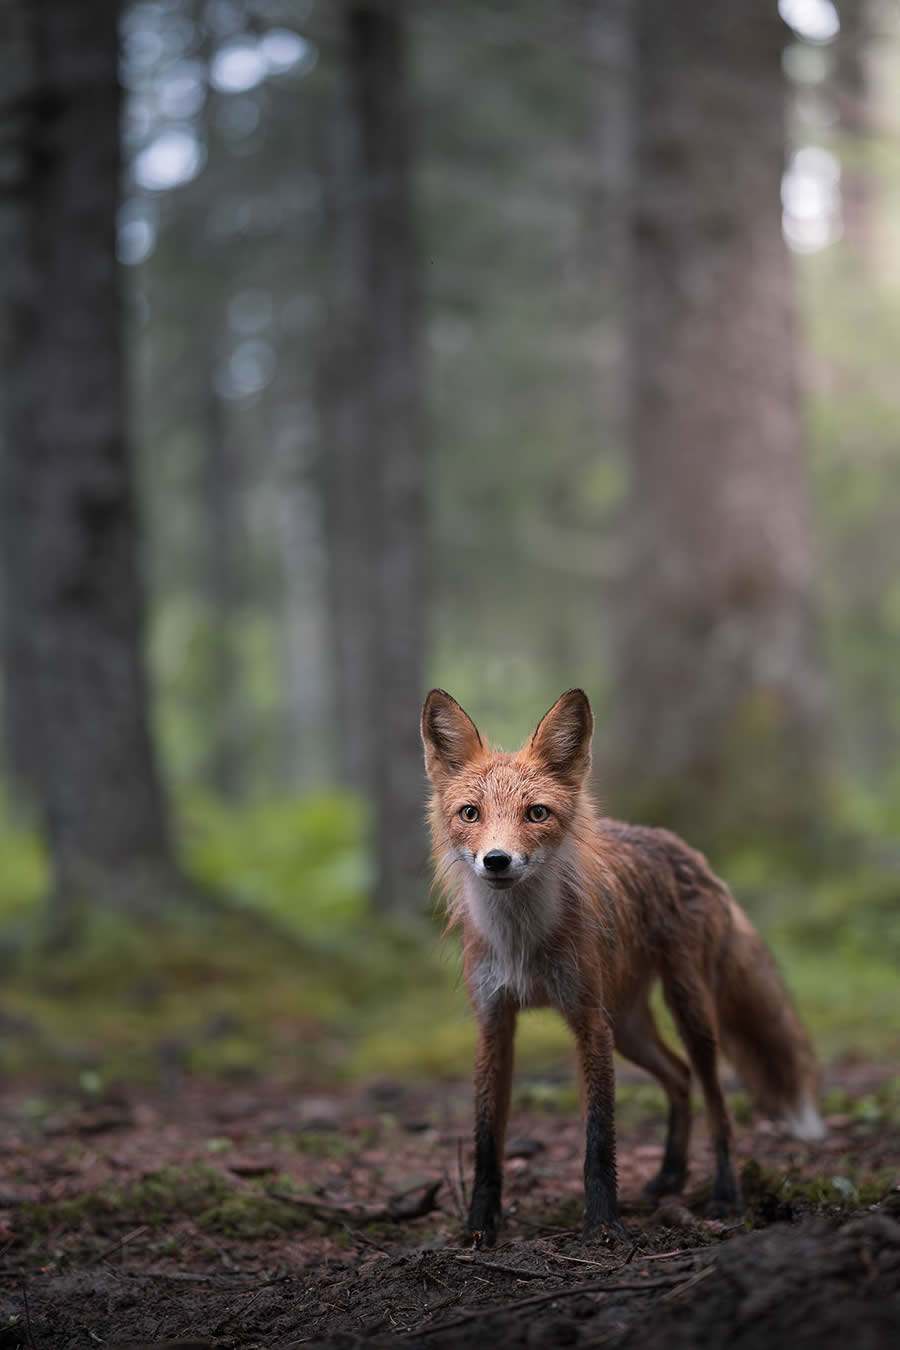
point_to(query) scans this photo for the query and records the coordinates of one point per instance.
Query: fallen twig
(28, 1332)
(586, 1287)
(578, 1260)
(689, 1283)
(357, 1236)
(237, 1311)
(478, 1264)
(399, 1209)
(455, 1196)
(459, 1168)
(114, 1247)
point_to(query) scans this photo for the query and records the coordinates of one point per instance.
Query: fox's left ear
(563, 736)
(449, 735)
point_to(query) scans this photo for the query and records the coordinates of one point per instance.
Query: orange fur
(575, 911)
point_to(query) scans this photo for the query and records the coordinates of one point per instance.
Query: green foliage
(299, 978)
(300, 860)
(25, 875)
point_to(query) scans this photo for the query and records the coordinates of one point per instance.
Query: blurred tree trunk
(606, 34)
(851, 84)
(79, 702)
(221, 513)
(18, 90)
(350, 478)
(308, 674)
(720, 696)
(378, 479)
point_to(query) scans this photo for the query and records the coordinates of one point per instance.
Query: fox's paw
(666, 1183)
(607, 1234)
(726, 1203)
(482, 1225)
(482, 1237)
(724, 1209)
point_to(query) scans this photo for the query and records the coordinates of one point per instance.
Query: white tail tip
(805, 1124)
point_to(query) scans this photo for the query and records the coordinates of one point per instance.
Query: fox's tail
(763, 1036)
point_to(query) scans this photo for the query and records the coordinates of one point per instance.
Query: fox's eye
(537, 813)
(469, 813)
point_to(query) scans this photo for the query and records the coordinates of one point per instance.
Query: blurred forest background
(350, 347)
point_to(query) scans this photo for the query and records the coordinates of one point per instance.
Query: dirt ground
(267, 1216)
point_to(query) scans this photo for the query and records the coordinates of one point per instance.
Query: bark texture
(720, 700)
(378, 476)
(76, 685)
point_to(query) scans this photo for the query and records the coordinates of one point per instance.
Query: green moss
(153, 1200)
(843, 1187)
(252, 1216)
(213, 1201)
(324, 1143)
(551, 1097)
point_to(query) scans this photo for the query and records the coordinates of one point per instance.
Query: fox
(562, 907)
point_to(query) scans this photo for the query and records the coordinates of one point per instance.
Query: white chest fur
(524, 957)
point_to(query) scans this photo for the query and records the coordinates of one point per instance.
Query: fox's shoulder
(648, 847)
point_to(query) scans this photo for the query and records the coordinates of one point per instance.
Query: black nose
(497, 860)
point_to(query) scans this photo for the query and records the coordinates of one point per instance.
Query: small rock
(672, 1213)
(318, 1113)
(250, 1167)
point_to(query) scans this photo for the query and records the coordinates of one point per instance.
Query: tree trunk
(18, 78)
(720, 699)
(308, 674)
(221, 514)
(70, 531)
(851, 85)
(379, 482)
(351, 469)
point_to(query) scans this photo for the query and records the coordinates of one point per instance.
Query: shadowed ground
(270, 1216)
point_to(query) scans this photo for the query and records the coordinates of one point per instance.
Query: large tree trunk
(379, 479)
(851, 86)
(69, 527)
(351, 468)
(308, 671)
(221, 517)
(719, 703)
(18, 86)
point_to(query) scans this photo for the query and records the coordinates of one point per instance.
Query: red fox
(561, 907)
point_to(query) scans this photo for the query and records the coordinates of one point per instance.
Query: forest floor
(264, 1215)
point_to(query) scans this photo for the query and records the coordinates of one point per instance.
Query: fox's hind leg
(637, 1038)
(695, 1016)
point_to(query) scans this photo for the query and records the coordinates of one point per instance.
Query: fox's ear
(450, 736)
(563, 736)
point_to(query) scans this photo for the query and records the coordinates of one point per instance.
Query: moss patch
(772, 1195)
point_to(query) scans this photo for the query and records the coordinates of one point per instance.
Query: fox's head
(504, 816)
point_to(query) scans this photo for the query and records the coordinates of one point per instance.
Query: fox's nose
(497, 860)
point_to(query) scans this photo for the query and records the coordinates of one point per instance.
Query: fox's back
(662, 902)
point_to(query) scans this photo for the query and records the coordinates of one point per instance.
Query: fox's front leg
(594, 1039)
(493, 1082)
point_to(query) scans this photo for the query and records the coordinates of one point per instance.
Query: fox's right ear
(450, 736)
